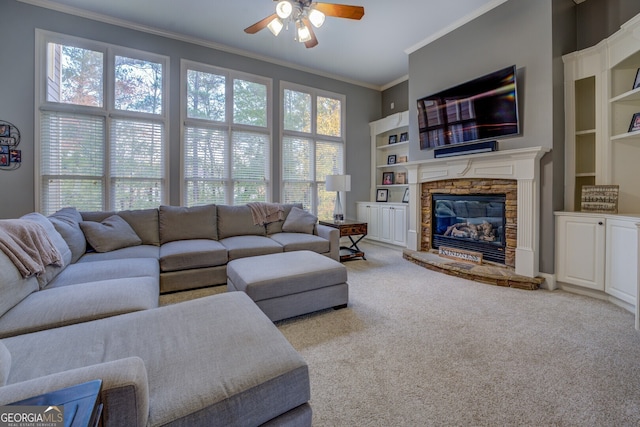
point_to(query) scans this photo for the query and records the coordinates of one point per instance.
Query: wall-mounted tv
(481, 109)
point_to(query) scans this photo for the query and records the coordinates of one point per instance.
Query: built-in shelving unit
(601, 148)
(381, 130)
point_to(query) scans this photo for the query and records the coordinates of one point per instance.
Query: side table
(349, 229)
(82, 403)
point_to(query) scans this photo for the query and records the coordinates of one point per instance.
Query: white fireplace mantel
(522, 165)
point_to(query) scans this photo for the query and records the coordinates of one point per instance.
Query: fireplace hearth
(474, 222)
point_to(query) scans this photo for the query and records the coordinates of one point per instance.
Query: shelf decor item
(635, 123)
(391, 160)
(600, 198)
(402, 159)
(393, 139)
(405, 197)
(382, 195)
(338, 183)
(401, 178)
(10, 156)
(387, 178)
(636, 82)
(404, 136)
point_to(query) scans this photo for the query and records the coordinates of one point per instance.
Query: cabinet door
(621, 279)
(368, 212)
(399, 231)
(386, 226)
(580, 251)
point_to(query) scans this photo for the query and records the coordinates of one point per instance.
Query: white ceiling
(372, 52)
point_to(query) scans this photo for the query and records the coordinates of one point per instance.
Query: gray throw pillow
(110, 234)
(299, 221)
(67, 223)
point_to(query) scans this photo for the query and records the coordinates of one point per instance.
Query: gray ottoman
(289, 284)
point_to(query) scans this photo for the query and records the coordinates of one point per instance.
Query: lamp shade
(338, 183)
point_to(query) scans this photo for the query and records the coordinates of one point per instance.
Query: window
(312, 146)
(227, 136)
(99, 148)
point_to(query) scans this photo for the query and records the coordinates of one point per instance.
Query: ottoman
(289, 284)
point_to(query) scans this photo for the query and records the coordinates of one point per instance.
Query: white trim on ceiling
(181, 37)
(459, 23)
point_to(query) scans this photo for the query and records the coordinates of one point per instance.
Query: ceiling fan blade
(314, 41)
(260, 24)
(340, 10)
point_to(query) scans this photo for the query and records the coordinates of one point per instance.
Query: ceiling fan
(304, 14)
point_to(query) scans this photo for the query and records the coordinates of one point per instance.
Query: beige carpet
(418, 348)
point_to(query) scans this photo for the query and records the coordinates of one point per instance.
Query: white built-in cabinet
(387, 222)
(602, 96)
(599, 252)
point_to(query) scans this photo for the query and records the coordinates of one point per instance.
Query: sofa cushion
(83, 272)
(188, 254)
(185, 223)
(237, 221)
(110, 234)
(145, 223)
(5, 364)
(51, 271)
(67, 222)
(302, 241)
(239, 369)
(246, 246)
(299, 221)
(276, 226)
(13, 287)
(68, 305)
(140, 251)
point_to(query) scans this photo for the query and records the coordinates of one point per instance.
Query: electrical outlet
(393, 105)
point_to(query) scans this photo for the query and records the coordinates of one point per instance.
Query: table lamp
(338, 183)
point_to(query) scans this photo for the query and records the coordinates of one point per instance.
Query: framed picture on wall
(382, 195)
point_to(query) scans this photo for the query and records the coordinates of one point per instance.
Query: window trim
(313, 135)
(228, 124)
(107, 111)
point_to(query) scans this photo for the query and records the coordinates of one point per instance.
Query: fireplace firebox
(474, 222)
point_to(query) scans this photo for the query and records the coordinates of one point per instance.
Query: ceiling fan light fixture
(284, 9)
(316, 17)
(275, 26)
(304, 35)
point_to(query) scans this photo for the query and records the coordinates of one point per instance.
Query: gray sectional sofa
(215, 361)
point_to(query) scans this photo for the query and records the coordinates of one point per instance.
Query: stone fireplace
(472, 214)
(514, 174)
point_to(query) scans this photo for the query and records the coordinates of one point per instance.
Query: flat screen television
(482, 109)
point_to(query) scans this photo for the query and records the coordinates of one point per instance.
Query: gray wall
(18, 22)
(598, 19)
(517, 32)
(398, 95)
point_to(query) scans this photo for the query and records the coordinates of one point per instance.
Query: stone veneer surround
(521, 165)
(473, 186)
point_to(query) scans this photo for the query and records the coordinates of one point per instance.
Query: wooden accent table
(349, 229)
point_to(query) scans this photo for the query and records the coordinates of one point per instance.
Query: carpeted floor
(418, 348)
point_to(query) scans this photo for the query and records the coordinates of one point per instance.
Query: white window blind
(227, 136)
(313, 146)
(100, 150)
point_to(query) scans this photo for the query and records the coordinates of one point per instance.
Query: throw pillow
(110, 234)
(67, 223)
(299, 221)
